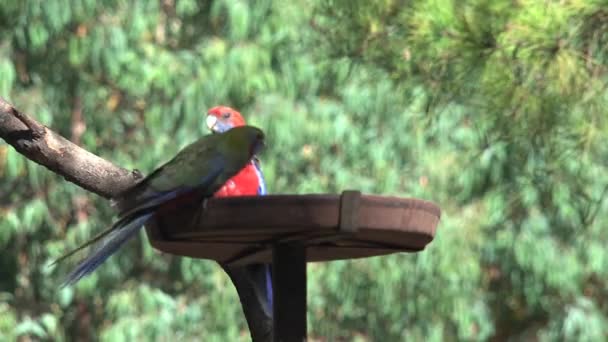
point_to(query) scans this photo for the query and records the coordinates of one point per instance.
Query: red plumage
(244, 183)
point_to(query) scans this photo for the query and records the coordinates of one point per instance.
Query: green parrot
(195, 174)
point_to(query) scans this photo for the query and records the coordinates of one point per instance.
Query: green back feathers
(239, 146)
(204, 165)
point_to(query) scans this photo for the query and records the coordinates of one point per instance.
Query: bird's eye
(226, 115)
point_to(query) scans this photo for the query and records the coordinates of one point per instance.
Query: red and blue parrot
(248, 182)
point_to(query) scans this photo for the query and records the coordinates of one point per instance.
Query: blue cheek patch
(221, 127)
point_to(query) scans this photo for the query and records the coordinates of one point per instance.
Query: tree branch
(47, 148)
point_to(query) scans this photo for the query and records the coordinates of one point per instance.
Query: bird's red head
(222, 118)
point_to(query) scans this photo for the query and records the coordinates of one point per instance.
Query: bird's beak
(211, 122)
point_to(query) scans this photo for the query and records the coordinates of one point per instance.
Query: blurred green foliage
(496, 110)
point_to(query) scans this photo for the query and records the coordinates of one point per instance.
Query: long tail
(260, 276)
(110, 244)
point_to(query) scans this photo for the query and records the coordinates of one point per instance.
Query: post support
(289, 284)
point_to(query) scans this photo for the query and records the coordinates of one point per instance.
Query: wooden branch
(40, 144)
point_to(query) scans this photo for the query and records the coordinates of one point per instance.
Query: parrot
(194, 174)
(248, 182)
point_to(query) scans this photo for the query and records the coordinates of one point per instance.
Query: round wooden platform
(243, 230)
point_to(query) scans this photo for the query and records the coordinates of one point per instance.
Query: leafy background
(495, 110)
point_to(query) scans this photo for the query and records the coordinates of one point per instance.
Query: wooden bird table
(290, 230)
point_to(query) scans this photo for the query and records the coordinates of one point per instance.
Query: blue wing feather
(261, 181)
(263, 283)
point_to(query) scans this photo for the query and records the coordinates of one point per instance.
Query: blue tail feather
(107, 247)
(269, 294)
(260, 276)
